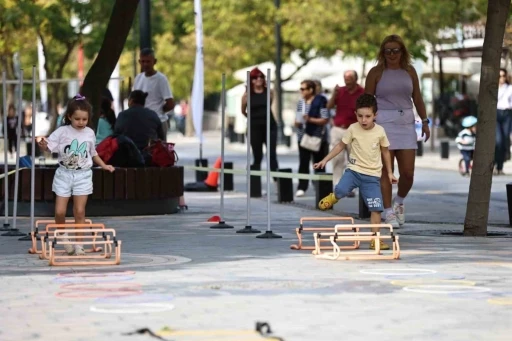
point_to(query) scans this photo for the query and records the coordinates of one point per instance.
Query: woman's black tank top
(259, 109)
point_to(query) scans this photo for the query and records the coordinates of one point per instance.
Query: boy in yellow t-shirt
(369, 146)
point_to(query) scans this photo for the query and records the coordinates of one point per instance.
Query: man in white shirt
(155, 83)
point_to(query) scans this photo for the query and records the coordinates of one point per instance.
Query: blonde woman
(395, 84)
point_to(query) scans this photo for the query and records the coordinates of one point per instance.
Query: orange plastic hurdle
(301, 228)
(35, 234)
(61, 229)
(109, 242)
(340, 235)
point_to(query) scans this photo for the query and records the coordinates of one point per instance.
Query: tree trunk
(53, 104)
(99, 74)
(477, 210)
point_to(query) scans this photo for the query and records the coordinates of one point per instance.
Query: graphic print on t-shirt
(75, 156)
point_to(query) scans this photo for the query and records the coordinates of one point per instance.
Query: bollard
(322, 188)
(288, 141)
(201, 175)
(419, 151)
(445, 150)
(229, 184)
(285, 187)
(255, 184)
(363, 209)
(509, 203)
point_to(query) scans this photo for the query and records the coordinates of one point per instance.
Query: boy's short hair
(367, 101)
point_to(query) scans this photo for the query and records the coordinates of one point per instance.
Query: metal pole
(268, 149)
(268, 233)
(6, 166)
(278, 63)
(33, 157)
(14, 232)
(145, 24)
(222, 224)
(248, 228)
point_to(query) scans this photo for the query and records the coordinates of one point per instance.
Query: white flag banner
(198, 86)
(43, 87)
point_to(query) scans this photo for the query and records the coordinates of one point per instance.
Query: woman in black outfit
(258, 93)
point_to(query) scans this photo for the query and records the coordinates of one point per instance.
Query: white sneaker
(70, 250)
(79, 250)
(399, 212)
(391, 219)
(300, 193)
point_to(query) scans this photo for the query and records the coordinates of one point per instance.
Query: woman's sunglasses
(392, 51)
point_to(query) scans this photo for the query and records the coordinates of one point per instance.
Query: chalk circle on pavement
(430, 281)
(95, 294)
(111, 287)
(95, 274)
(130, 308)
(398, 272)
(135, 299)
(91, 280)
(446, 289)
(500, 300)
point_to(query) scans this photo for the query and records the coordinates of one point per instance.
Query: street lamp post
(145, 24)
(279, 95)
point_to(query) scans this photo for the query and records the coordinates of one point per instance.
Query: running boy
(369, 147)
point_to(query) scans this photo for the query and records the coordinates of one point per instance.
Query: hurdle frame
(301, 228)
(61, 228)
(109, 240)
(339, 235)
(34, 234)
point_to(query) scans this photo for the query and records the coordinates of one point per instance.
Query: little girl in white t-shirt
(75, 144)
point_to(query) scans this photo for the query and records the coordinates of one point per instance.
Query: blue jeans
(467, 155)
(503, 124)
(369, 188)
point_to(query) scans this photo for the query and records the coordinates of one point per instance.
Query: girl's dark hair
(76, 103)
(107, 112)
(138, 97)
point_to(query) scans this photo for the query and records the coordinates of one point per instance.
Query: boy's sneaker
(70, 250)
(79, 250)
(392, 220)
(327, 202)
(399, 212)
(383, 246)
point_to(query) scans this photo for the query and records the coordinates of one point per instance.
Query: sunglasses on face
(392, 51)
(303, 89)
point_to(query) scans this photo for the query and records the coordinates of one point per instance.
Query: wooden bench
(126, 192)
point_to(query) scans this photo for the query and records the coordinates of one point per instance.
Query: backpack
(107, 148)
(162, 153)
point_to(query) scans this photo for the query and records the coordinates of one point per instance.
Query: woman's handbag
(309, 142)
(312, 143)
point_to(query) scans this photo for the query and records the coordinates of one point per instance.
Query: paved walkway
(196, 280)
(202, 283)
